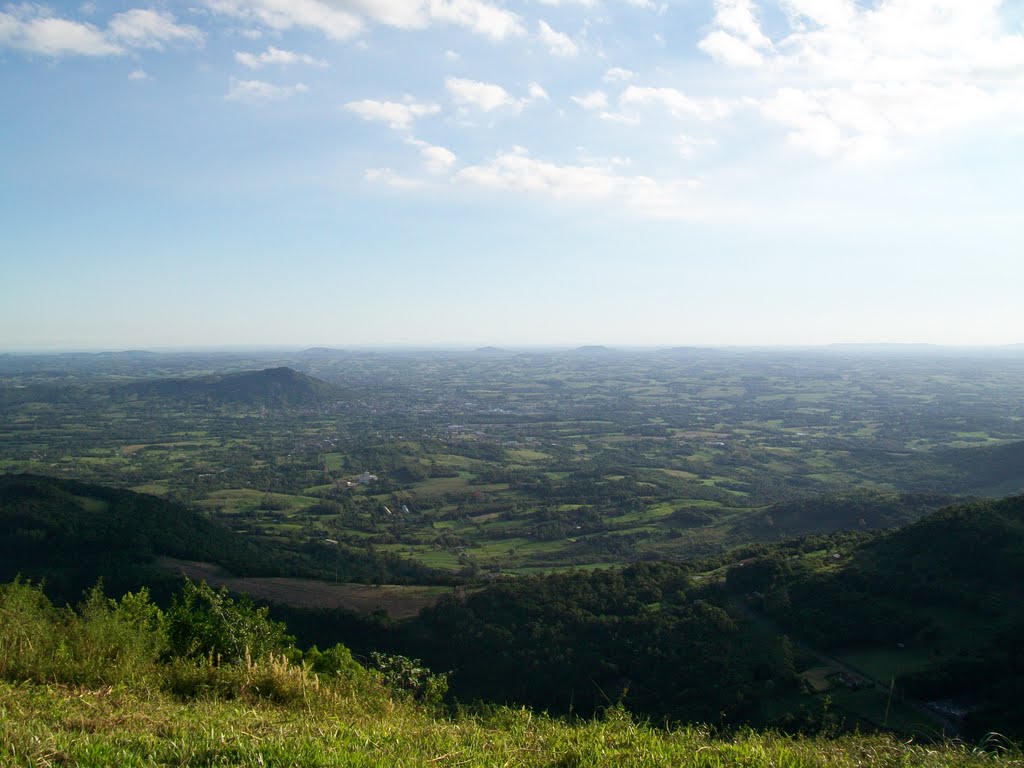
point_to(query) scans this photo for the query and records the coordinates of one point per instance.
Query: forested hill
(71, 533)
(945, 593)
(272, 387)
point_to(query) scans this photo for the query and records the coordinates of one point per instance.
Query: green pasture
(236, 500)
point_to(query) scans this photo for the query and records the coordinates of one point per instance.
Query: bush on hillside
(106, 641)
(207, 623)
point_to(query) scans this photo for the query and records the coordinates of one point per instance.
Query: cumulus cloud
(257, 91)
(302, 14)
(739, 18)
(859, 81)
(140, 28)
(29, 29)
(390, 178)
(558, 43)
(398, 115)
(863, 120)
(343, 19)
(484, 96)
(437, 159)
(731, 50)
(674, 101)
(138, 74)
(618, 75)
(517, 171)
(690, 146)
(276, 56)
(536, 92)
(488, 20)
(593, 100)
(34, 28)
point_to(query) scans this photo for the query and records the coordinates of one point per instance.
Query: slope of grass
(344, 726)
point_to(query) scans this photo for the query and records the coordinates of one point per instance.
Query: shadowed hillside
(272, 387)
(71, 533)
(940, 602)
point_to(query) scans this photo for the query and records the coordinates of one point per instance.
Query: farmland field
(525, 461)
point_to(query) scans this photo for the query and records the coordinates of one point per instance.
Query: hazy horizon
(511, 347)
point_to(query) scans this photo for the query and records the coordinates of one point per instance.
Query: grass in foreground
(214, 682)
(346, 725)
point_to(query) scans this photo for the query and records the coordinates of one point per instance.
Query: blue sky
(469, 172)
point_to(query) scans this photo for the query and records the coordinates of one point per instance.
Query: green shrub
(31, 630)
(115, 640)
(106, 642)
(203, 622)
(335, 661)
(273, 678)
(404, 674)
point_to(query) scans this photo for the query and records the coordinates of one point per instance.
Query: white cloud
(405, 14)
(823, 12)
(593, 100)
(737, 39)
(276, 56)
(517, 171)
(585, 3)
(675, 102)
(737, 17)
(289, 14)
(483, 96)
(861, 80)
(343, 19)
(536, 92)
(391, 179)
(488, 20)
(619, 117)
(558, 43)
(33, 28)
(864, 120)
(138, 75)
(256, 91)
(140, 28)
(618, 75)
(690, 146)
(398, 115)
(437, 159)
(731, 50)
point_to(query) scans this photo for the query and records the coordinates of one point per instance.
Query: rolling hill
(71, 533)
(272, 387)
(938, 605)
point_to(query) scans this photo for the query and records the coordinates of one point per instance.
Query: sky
(478, 172)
